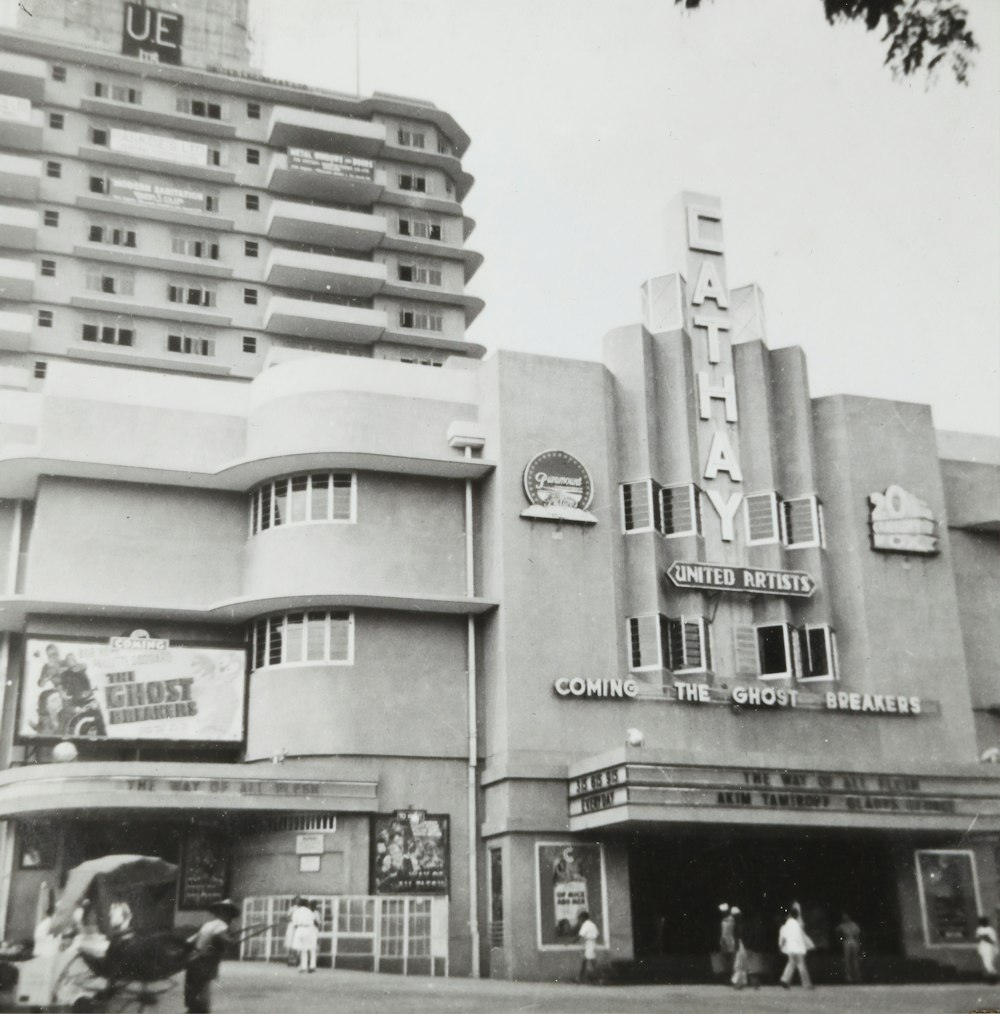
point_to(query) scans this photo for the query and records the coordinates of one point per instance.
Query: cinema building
(664, 632)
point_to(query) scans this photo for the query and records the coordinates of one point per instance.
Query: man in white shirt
(589, 934)
(793, 942)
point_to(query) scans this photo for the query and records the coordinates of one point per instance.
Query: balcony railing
(303, 127)
(18, 226)
(304, 318)
(15, 331)
(23, 76)
(296, 269)
(324, 176)
(20, 123)
(19, 178)
(332, 227)
(17, 279)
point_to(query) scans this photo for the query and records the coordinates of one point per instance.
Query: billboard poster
(157, 195)
(949, 896)
(570, 880)
(159, 146)
(131, 688)
(205, 870)
(329, 164)
(410, 853)
(13, 107)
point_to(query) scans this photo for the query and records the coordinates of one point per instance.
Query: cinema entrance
(679, 877)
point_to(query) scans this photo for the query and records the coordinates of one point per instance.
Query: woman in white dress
(986, 944)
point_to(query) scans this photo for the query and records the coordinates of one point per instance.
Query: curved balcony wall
(405, 695)
(362, 407)
(408, 540)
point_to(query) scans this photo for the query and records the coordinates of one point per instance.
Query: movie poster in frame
(949, 896)
(569, 879)
(205, 869)
(410, 853)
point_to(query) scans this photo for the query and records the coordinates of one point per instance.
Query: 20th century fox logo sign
(151, 34)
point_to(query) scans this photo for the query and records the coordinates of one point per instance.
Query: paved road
(253, 988)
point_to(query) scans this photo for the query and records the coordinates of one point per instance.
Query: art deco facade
(461, 650)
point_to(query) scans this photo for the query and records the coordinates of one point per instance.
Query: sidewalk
(248, 988)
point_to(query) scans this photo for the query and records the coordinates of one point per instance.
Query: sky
(866, 208)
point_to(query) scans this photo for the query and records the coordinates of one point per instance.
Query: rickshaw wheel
(77, 977)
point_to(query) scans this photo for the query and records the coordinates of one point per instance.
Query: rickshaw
(106, 946)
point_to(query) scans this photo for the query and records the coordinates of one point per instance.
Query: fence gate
(402, 934)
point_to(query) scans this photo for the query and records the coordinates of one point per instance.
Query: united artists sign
(748, 580)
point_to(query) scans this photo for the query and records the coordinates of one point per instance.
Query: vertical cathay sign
(151, 34)
(716, 383)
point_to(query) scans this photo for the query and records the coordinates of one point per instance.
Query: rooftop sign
(151, 34)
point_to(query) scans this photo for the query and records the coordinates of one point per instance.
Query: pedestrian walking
(727, 941)
(986, 944)
(305, 936)
(293, 956)
(741, 959)
(208, 945)
(850, 938)
(794, 944)
(589, 934)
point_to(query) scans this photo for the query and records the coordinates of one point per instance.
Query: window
(117, 93)
(685, 644)
(303, 638)
(57, 121)
(253, 202)
(680, 510)
(211, 202)
(191, 295)
(198, 107)
(419, 228)
(51, 218)
(761, 516)
(108, 335)
(253, 110)
(45, 318)
(113, 283)
(421, 272)
(99, 136)
(773, 651)
(190, 346)
(253, 156)
(48, 269)
(660, 642)
(419, 360)
(802, 522)
(817, 653)
(411, 181)
(214, 157)
(58, 72)
(98, 185)
(41, 368)
(249, 343)
(641, 505)
(202, 247)
(53, 170)
(303, 499)
(410, 138)
(421, 318)
(113, 235)
(251, 248)
(250, 297)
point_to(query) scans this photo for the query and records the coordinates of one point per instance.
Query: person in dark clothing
(850, 937)
(208, 946)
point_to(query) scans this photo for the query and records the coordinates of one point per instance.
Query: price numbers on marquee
(597, 781)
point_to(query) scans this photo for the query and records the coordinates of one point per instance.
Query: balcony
(23, 76)
(15, 331)
(308, 223)
(136, 113)
(292, 127)
(294, 269)
(324, 176)
(19, 178)
(17, 279)
(20, 124)
(306, 319)
(18, 226)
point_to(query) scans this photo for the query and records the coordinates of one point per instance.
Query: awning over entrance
(73, 788)
(635, 786)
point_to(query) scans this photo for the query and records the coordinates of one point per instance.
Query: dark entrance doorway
(679, 878)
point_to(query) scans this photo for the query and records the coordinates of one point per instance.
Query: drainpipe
(468, 436)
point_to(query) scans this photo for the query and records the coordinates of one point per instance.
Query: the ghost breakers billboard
(131, 688)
